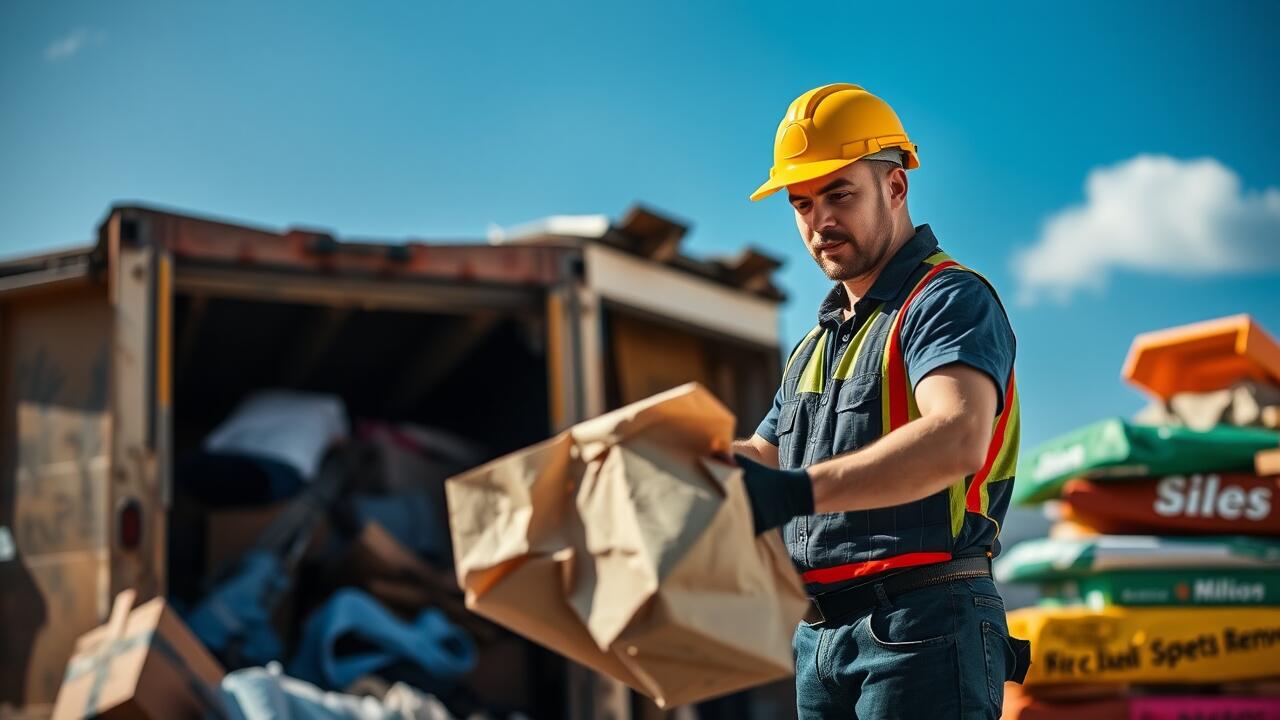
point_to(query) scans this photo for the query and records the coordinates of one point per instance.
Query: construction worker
(888, 456)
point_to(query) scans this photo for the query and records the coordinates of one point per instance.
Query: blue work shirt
(831, 403)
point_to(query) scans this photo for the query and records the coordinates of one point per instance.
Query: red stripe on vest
(973, 499)
(899, 412)
(871, 567)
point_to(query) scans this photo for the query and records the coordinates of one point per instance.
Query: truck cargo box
(118, 358)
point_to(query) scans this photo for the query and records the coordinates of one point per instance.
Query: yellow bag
(1156, 645)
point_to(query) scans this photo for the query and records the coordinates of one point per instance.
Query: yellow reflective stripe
(800, 348)
(913, 410)
(939, 257)
(1007, 460)
(985, 502)
(956, 502)
(812, 378)
(849, 360)
(1002, 470)
(886, 394)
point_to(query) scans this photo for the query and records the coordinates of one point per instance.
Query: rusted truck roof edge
(538, 259)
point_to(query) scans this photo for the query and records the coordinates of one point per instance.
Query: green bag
(1118, 449)
(1167, 587)
(1051, 560)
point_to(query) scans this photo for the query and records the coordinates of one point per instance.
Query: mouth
(828, 245)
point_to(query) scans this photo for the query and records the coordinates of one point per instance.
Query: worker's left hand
(775, 495)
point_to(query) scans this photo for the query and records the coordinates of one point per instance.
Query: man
(888, 456)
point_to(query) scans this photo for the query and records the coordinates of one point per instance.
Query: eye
(801, 205)
(839, 196)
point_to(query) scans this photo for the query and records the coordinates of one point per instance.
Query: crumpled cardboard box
(620, 545)
(144, 663)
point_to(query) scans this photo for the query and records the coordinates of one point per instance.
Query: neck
(855, 288)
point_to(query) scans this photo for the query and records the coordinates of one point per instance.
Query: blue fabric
(233, 621)
(768, 428)
(939, 652)
(354, 635)
(955, 319)
(410, 517)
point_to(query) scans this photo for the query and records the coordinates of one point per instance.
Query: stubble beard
(867, 255)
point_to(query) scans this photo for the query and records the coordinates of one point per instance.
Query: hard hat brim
(803, 172)
(800, 173)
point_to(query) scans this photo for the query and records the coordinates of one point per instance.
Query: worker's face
(846, 219)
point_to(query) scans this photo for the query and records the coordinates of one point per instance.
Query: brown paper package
(621, 545)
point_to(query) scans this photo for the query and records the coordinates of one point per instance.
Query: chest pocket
(857, 412)
(787, 417)
(787, 429)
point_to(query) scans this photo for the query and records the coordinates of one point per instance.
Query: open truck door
(83, 471)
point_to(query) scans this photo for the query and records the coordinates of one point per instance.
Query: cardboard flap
(509, 508)
(693, 418)
(120, 610)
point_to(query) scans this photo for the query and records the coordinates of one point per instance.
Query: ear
(896, 184)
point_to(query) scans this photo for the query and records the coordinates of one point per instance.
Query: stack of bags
(1160, 580)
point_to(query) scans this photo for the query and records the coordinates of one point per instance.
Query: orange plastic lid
(1203, 357)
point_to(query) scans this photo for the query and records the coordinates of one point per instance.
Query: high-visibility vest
(866, 395)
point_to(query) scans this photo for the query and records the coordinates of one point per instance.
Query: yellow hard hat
(828, 128)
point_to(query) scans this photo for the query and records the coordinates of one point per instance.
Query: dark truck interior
(480, 378)
(446, 371)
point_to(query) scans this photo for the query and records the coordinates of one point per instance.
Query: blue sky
(432, 120)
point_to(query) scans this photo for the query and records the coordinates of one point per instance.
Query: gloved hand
(776, 495)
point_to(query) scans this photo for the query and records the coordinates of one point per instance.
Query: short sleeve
(768, 428)
(957, 319)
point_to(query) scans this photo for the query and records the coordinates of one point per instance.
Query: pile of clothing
(1160, 579)
(314, 562)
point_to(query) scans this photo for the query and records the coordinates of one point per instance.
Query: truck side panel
(55, 365)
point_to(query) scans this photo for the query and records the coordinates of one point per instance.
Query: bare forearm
(758, 449)
(744, 447)
(913, 462)
(949, 441)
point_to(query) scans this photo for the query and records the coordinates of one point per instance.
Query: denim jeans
(937, 652)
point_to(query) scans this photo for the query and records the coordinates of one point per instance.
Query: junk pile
(1160, 580)
(365, 581)
(311, 577)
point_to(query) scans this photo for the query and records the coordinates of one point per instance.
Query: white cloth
(290, 427)
(268, 694)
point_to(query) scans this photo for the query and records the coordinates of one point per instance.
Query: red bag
(1197, 504)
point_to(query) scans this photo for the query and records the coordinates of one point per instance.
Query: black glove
(776, 495)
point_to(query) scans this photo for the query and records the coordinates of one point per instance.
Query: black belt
(827, 607)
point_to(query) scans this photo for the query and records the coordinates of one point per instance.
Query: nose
(822, 219)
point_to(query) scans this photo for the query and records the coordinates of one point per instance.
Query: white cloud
(66, 47)
(1157, 214)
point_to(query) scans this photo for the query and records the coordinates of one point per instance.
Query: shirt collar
(892, 277)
